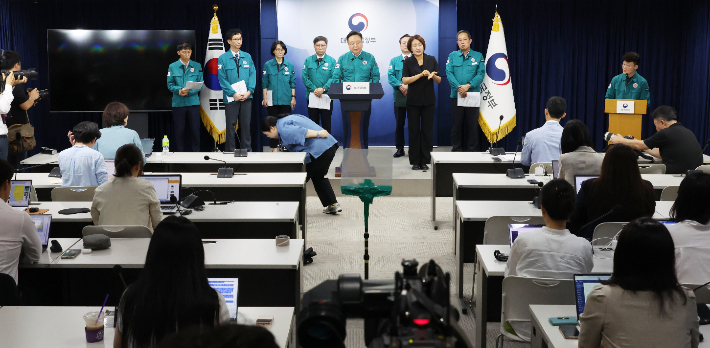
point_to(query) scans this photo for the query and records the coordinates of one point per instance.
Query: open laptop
(583, 285)
(43, 222)
(166, 185)
(579, 179)
(229, 288)
(20, 194)
(110, 167)
(517, 229)
(555, 169)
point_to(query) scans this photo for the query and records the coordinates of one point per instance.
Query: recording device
(31, 74)
(537, 201)
(609, 135)
(413, 310)
(43, 94)
(497, 151)
(516, 173)
(238, 152)
(224, 172)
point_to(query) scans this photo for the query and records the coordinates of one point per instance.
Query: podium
(626, 123)
(355, 104)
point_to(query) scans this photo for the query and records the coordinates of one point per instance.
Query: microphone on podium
(497, 151)
(224, 172)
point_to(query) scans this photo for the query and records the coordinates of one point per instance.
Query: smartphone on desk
(71, 253)
(569, 331)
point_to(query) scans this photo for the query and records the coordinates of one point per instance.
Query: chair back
(8, 291)
(114, 231)
(496, 230)
(655, 168)
(669, 193)
(705, 168)
(521, 292)
(73, 194)
(545, 165)
(702, 295)
(605, 232)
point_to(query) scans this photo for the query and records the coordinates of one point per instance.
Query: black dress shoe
(424, 167)
(416, 167)
(398, 153)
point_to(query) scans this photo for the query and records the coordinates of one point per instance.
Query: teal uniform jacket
(461, 70)
(317, 75)
(362, 68)
(230, 73)
(394, 73)
(279, 80)
(636, 89)
(177, 80)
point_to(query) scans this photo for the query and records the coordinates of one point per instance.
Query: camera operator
(6, 99)
(22, 101)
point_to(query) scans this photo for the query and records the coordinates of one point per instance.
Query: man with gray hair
(317, 76)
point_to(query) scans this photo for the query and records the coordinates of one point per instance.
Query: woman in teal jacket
(280, 81)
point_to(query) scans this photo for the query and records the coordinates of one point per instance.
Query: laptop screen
(110, 167)
(517, 229)
(42, 222)
(20, 193)
(166, 185)
(583, 285)
(555, 168)
(229, 288)
(579, 179)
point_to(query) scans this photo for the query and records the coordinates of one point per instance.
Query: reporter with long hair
(172, 292)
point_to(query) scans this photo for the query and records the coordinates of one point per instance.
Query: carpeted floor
(400, 227)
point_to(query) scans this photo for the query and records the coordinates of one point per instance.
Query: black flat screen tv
(90, 68)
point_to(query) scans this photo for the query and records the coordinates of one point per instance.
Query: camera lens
(321, 325)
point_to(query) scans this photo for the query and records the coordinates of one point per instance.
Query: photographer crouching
(19, 136)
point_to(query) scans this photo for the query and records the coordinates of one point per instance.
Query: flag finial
(215, 22)
(496, 22)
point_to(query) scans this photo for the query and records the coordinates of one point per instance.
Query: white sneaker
(333, 209)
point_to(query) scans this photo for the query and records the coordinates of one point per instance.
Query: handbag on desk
(21, 138)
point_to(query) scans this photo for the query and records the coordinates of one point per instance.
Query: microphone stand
(515, 173)
(224, 172)
(497, 151)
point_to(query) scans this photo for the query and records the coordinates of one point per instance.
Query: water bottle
(166, 145)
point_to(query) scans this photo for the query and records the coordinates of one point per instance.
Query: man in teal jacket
(356, 66)
(399, 92)
(186, 102)
(234, 66)
(629, 84)
(465, 70)
(317, 75)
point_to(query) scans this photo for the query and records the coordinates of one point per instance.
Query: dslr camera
(413, 310)
(31, 74)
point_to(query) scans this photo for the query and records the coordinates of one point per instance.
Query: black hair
(227, 336)
(320, 38)
(267, 123)
(574, 135)
(403, 36)
(632, 57)
(278, 42)
(231, 32)
(11, 58)
(85, 132)
(644, 260)
(665, 112)
(172, 292)
(462, 32)
(351, 33)
(127, 156)
(556, 107)
(115, 114)
(692, 202)
(6, 171)
(184, 46)
(557, 197)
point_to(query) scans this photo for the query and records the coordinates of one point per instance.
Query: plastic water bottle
(166, 145)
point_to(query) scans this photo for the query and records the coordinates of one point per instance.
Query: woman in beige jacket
(578, 157)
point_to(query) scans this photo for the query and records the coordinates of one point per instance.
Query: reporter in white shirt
(691, 234)
(19, 240)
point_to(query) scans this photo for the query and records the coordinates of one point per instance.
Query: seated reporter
(127, 199)
(578, 157)
(642, 304)
(172, 292)
(691, 233)
(618, 188)
(80, 164)
(299, 134)
(673, 143)
(115, 134)
(225, 336)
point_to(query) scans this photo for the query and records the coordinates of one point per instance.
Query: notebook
(517, 229)
(229, 288)
(42, 222)
(20, 194)
(166, 186)
(579, 179)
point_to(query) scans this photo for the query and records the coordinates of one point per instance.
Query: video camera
(413, 310)
(43, 94)
(30, 73)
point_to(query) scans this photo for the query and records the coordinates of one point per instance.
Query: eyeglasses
(356, 43)
(321, 46)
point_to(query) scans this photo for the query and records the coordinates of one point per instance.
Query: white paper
(509, 158)
(472, 100)
(625, 106)
(193, 85)
(239, 87)
(319, 103)
(270, 98)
